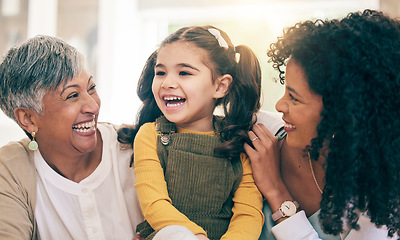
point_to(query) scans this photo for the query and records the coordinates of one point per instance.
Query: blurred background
(117, 36)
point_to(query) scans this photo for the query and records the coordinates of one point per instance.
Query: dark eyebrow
(179, 65)
(74, 85)
(188, 66)
(292, 90)
(90, 78)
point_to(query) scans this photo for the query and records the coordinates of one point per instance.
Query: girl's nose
(169, 82)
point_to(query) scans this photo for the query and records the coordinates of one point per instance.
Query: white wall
(42, 19)
(127, 35)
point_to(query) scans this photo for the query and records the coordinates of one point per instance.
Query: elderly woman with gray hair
(71, 178)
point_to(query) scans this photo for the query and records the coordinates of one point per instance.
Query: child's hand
(202, 237)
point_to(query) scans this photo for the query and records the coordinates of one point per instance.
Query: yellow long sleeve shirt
(247, 219)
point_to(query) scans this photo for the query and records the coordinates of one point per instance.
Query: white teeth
(174, 104)
(85, 127)
(84, 130)
(174, 101)
(172, 98)
(287, 125)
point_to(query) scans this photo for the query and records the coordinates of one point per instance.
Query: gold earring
(33, 145)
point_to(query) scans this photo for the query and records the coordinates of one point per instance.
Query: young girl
(190, 165)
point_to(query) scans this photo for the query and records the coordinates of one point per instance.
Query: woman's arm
(15, 220)
(265, 162)
(17, 193)
(151, 186)
(295, 227)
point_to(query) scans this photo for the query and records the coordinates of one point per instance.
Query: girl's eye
(72, 95)
(293, 98)
(160, 73)
(183, 73)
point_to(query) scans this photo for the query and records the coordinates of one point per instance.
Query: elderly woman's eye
(92, 88)
(72, 95)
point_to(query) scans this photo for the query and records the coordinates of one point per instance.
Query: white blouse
(102, 206)
(297, 227)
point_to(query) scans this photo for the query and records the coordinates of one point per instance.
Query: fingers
(262, 132)
(260, 135)
(255, 138)
(249, 149)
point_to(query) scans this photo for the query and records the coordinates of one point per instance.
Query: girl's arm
(247, 219)
(151, 186)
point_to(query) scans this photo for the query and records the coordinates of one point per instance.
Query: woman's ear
(26, 119)
(222, 85)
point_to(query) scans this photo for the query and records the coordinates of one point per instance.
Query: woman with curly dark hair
(340, 161)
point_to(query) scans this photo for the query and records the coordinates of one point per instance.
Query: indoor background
(117, 36)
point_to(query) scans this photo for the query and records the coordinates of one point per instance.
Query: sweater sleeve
(247, 220)
(17, 193)
(151, 187)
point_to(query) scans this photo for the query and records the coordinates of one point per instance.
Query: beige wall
(392, 7)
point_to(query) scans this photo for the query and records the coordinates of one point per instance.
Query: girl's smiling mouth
(174, 101)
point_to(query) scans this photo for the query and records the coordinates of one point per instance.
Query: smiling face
(67, 124)
(301, 107)
(183, 86)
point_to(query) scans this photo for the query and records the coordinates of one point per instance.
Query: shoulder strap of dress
(164, 126)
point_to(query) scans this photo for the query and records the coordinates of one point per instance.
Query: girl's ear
(26, 119)
(222, 85)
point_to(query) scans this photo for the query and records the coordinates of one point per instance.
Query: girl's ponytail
(241, 103)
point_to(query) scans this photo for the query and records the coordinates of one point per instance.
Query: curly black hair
(354, 64)
(239, 105)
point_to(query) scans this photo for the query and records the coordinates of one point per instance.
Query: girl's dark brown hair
(239, 105)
